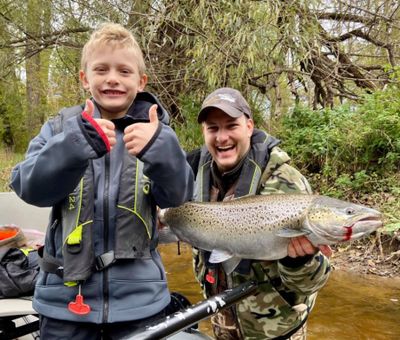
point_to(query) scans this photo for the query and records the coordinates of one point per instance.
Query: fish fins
(218, 256)
(289, 232)
(166, 235)
(229, 262)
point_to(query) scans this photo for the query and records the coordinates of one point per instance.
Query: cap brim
(229, 110)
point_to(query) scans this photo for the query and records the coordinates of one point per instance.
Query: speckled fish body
(259, 227)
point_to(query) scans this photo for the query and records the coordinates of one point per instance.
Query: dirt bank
(379, 255)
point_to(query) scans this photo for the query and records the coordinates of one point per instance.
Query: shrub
(348, 146)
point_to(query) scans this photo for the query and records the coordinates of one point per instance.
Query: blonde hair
(114, 35)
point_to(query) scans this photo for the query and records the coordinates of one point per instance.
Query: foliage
(351, 151)
(12, 117)
(348, 143)
(315, 52)
(189, 131)
(281, 54)
(8, 160)
(391, 228)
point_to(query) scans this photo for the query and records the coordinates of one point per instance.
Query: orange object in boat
(11, 236)
(7, 233)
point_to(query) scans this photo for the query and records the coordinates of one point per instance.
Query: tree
(277, 52)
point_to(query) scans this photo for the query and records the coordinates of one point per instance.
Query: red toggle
(78, 307)
(210, 277)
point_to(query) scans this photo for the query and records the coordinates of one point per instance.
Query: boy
(239, 160)
(104, 170)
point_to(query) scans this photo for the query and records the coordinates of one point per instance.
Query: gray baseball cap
(228, 100)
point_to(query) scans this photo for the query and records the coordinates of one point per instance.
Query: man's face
(113, 79)
(227, 138)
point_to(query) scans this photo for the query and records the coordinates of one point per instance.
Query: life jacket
(134, 234)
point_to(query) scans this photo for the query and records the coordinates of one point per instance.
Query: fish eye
(349, 211)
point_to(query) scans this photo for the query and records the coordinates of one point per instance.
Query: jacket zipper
(105, 232)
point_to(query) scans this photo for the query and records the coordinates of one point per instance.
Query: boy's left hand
(136, 136)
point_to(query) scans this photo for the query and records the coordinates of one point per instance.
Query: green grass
(8, 160)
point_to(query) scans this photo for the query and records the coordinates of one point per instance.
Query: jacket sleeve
(305, 274)
(165, 164)
(54, 163)
(308, 278)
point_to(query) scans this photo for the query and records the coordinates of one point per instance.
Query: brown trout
(260, 227)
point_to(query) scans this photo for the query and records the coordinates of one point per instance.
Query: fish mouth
(361, 227)
(371, 220)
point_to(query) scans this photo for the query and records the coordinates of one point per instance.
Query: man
(239, 160)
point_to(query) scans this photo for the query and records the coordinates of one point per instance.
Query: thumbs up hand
(136, 136)
(107, 126)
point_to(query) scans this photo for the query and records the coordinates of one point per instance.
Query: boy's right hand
(107, 126)
(138, 135)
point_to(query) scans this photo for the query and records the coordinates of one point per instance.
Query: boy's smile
(112, 77)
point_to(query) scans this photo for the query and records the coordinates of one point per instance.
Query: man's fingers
(291, 251)
(295, 249)
(326, 250)
(307, 246)
(300, 246)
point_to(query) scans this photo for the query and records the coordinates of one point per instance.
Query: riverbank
(379, 255)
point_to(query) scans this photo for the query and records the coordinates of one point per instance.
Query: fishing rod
(178, 321)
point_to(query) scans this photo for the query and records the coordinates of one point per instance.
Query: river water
(349, 307)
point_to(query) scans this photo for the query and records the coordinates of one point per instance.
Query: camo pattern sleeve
(280, 177)
(308, 278)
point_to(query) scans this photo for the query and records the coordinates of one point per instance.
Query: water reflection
(349, 307)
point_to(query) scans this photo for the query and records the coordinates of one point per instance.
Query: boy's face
(112, 77)
(227, 138)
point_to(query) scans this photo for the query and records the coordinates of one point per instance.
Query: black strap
(49, 263)
(52, 265)
(107, 259)
(104, 260)
(193, 158)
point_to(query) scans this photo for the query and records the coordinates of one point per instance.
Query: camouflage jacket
(287, 291)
